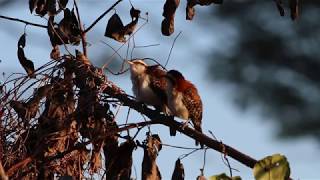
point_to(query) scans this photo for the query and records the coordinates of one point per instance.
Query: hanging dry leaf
(32, 5)
(51, 7)
(294, 7)
(22, 41)
(134, 13)
(81, 57)
(26, 63)
(117, 31)
(41, 8)
(178, 173)
(152, 146)
(114, 27)
(69, 27)
(169, 9)
(201, 177)
(55, 53)
(280, 7)
(63, 4)
(190, 11)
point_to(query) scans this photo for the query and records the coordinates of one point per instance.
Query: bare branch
(23, 21)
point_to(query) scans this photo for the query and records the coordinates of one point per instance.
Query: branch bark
(159, 118)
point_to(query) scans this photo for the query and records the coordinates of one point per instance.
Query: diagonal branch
(158, 118)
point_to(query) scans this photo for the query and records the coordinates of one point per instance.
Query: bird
(184, 100)
(149, 84)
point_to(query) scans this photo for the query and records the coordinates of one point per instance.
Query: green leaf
(272, 167)
(223, 176)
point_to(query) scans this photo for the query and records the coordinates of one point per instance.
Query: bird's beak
(129, 62)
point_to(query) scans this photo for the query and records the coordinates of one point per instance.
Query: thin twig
(174, 41)
(102, 15)
(83, 34)
(23, 21)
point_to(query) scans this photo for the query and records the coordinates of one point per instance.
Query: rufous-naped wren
(183, 99)
(149, 84)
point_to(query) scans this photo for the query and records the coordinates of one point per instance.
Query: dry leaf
(280, 7)
(55, 53)
(32, 5)
(63, 4)
(294, 7)
(178, 173)
(51, 7)
(25, 63)
(169, 9)
(134, 13)
(22, 41)
(117, 31)
(152, 146)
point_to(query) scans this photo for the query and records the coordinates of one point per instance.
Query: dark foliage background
(273, 63)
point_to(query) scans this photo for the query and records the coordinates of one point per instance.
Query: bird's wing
(158, 82)
(193, 103)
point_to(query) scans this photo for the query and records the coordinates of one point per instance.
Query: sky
(246, 131)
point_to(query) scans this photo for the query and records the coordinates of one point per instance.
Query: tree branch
(23, 21)
(158, 118)
(101, 16)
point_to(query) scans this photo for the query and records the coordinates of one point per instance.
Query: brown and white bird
(183, 99)
(149, 84)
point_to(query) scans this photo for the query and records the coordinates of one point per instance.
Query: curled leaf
(22, 41)
(117, 31)
(294, 7)
(134, 13)
(25, 63)
(63, 4)
(51, 7)
(223, 176)
(190, 11)
(55, 53)
(272, 167)
(152, 146)
(169, 9)
(32, 5)
(280, 7)
(41, 8)
(178, 173)
(69, 27)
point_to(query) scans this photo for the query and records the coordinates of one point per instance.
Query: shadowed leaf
(32, 5)
(178, 173)
(169, 9)
(152, 146)
(294, 7)
(272, 167)
(22, 41)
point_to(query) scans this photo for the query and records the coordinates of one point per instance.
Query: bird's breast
(176, 104)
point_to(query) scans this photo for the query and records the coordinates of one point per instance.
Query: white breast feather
(175, 103)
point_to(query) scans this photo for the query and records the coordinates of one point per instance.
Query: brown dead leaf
(294, 7)
(26, 63)
(152, 146)
(22, 41)
(81, 57)
(279, 4)
(51, 7)
(178, 173)
(134, 13)
(32, 5)
(117, 31)
(55, 53)
(63, 4)
(169, 9)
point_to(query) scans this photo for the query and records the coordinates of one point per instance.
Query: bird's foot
(185, 124)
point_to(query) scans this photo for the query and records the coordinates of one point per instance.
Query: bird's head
(137, 67)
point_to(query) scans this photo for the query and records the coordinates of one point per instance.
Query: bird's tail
(197, 126)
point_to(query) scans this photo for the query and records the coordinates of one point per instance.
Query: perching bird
(183, 99)
(149, 84)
